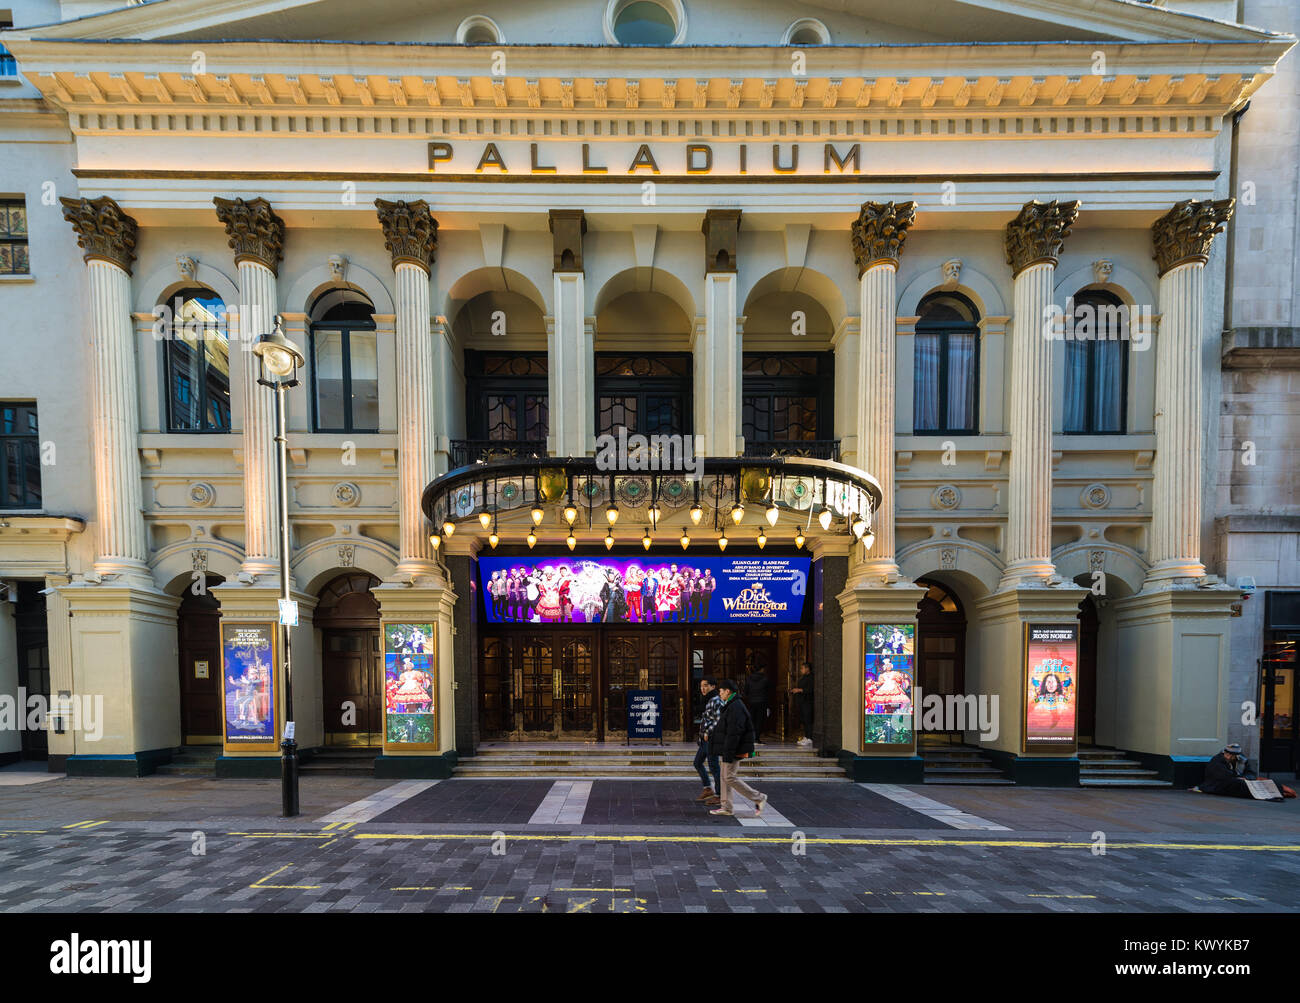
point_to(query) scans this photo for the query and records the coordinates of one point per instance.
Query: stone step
(994, 781)
(1117, 782)
(1134, 774)
(185, 770)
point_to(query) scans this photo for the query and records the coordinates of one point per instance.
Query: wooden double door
(573, 684)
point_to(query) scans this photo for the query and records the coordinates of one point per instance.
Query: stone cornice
(1184, 234)
(1037, 235)
(880, 231)
(410, 232)
(103, 230)
(256, 233)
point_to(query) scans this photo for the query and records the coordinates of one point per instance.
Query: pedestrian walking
(803, 694)
(703, 755)
(732, 740)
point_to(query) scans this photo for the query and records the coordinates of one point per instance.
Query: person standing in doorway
(756, 687)
(708, 721)
(803, 694)
(732, 740)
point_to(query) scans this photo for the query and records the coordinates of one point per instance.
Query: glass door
(1278, 733)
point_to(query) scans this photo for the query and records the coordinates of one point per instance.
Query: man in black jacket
(1227, 774)
(732, 739)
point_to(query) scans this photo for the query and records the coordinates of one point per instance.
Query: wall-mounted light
(762, 538)
(773, 514)
(798, 538)
(686, 540)
(572, 540)
(532, 539)
(646, 541)
(723, 541)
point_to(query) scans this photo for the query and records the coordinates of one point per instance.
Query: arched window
(344, 363)
(644, 22)
(478, 29)
(945, 394)
(196, 354)
(806, 31)
(1096, 366)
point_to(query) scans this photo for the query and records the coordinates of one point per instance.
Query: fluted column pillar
(108, 238)
(878, 237)
(256, 235)
(1182, 240)
(411, 236)
(718, 351)
(570, 364)
(1033, 243)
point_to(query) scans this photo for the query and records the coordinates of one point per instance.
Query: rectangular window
(345, 373)
(20, 459)
(13, 237)
(197, 359)
(8, 65)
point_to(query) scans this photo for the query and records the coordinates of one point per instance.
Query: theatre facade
(641, 342)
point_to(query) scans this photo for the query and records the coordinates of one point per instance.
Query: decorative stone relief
(1095, 495)
(347, 555)
(1037, 235)
(338, 266)
(1184, 234)
(721, 231)
(880, 231)
(1102, 269)
(948, 558)
(567, 227)
(187, 267)
(952, 271)
(945, 496)
(199, 559)
(103, 230)
(346, 494)
(1097, 560)
(202, 494)
(410, 232)
(255, 232)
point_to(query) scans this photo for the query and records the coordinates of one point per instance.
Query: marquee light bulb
(654, 512)
(762, 538)
(646, 541)
(532, 539)
(609, 540)
(493, 539)
(868, 540)
(737, 513)
(859, 526)
(722, 542)
(611, 513)
(824, 517)
(798, 538)
(448, 528)
(686, 540)
(570, 513)
(485, 518)
(572, 540)
(697, 513)
(773, 514)
(538, 515)
(435, 541)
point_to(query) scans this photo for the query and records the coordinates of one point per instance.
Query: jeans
(701, 754)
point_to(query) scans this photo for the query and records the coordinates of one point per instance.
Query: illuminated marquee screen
(888, 657)
(690, 589)
(1051, 690)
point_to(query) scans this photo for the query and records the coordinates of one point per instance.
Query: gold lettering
(703, 149)
(540, 168)
(852, 157)
(438, 152)
(776, 159)
(491, 158)
(643, 158)
(587, 166)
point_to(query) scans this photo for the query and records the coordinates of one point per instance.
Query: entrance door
(940, 643)
(1087, 675)
(33, 661)
(352, 664)
(644, 660)
(1279, 734)
(198, 635)
(538, 686)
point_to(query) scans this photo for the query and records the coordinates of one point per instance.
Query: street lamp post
(280, 362)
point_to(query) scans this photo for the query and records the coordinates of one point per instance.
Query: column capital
(567, 227)
(256, 233)
(1037, 235)
(410, 232)
(721, 229)
(879, 233)
(1184, 234)
(103, 230)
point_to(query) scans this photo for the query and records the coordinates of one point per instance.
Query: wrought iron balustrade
(813, 449)
(467, 451)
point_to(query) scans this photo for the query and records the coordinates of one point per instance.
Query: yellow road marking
(1036, 895)
(742, 891)
(259, 883)
(282, 835)
(591, 889)
(88, 824)
(433, 888)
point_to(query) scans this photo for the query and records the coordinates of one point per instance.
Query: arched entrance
(352, 667)
(1089, 623)
(198, 645)
(940, 642)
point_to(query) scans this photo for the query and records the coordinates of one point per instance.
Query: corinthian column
(1182, 239)
(1034, 240)
(108, 236)
(257, 237)
(878, 236)
(570, 363)
(411, 236)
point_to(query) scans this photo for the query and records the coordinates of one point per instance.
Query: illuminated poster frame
(410, 651)
(888, 648)
(242, 695)
(1050, 649)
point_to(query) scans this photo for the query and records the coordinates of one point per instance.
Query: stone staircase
(960, 764)
(339, 761)
(1109, 768)
(638, 762)
(192, 761)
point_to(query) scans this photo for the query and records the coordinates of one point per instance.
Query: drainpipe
(1229, 275)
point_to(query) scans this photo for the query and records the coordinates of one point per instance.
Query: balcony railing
(467, 451)
(813, 449)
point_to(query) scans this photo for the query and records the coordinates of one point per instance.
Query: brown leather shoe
(708, 793)
(711, 799)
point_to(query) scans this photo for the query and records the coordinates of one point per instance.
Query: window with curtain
(1096, 367)
(197, 363)
(946, 371)
(344, 363)
(20, 461)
